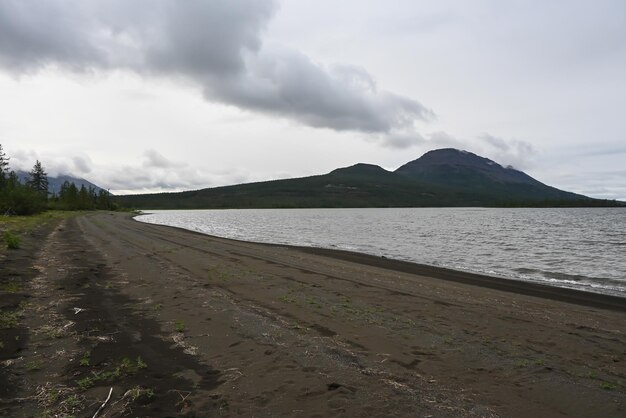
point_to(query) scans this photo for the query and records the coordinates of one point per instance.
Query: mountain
(55, 183)
(445, 177)
(480, 176)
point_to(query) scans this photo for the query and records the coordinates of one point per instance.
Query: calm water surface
(577, 248)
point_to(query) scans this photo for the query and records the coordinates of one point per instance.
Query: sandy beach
(183, 324)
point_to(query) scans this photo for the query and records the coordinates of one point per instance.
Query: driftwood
(103, 404)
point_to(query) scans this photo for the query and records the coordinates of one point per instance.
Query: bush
(11, 240)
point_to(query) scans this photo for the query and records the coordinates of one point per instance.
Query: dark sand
(228, 328)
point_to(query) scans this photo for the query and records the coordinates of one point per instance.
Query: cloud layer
(217, 45)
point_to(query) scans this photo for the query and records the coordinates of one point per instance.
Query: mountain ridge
(444, 177)
(55, 182)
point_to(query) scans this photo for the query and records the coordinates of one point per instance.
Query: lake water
(581, 248)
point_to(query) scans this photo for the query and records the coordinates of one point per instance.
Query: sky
(165, 95)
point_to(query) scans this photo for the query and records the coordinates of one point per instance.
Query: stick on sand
(103, 404)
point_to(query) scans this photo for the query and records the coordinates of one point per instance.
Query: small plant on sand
(73, 402)
(287, 299)
(10, 287)
(520, 364)
(608, 386)
(179, 326)
(126, 367)
(139, 394)
(9, 319)
(33, 365)
(11, 240)
(86, 382)
(86, 359)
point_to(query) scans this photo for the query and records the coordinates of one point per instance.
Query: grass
(179, 326)
(608, 386)
(9, 319)
(126, 367)
(85, 359)
(287, 299)
(10, 287)
(11, 240)
(520, 364)
(48, 397)
(14, 226)
(20, 224)
(73, 402)
(139, 393)
(34, 365)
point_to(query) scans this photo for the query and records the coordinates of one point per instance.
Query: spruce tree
(4, 167)
(39, 180)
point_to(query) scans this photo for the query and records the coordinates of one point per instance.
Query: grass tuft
(179, 326)
(11, 240)
(9, 319)
(608, 386)
(10, 287)
(126, 367)
(138, 393)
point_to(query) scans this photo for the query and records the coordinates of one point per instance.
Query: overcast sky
(151, 95)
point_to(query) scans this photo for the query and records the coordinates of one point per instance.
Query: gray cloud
(216, 44)
(519, 154)
(607, 184)
(25, 159)
(403, 140)
(154, 159)
(445, 140)
(82, 164)
(133, 179)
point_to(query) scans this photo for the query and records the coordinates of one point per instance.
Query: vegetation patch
(85, 359)
(34, 365)
(179, 326)
(10, 287)
(11, 240)
(9, 319)
(139, 394)
(608, 386)
(59, 401)
(21, 224)
(126, 367)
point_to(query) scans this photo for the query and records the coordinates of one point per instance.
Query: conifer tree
(4, 167)
(39, 180)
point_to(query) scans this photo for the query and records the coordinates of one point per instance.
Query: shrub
(11, 240)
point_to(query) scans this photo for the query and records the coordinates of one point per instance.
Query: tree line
(32, 196)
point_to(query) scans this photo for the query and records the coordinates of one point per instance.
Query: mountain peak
(455, 156)
(450, 165)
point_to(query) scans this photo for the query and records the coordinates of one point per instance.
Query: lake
(580, 248)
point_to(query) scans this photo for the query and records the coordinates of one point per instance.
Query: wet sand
(179, 323)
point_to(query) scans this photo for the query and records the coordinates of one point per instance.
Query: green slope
(439, 178)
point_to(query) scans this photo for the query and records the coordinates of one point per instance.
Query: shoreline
(182, 323)
(556, 293)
